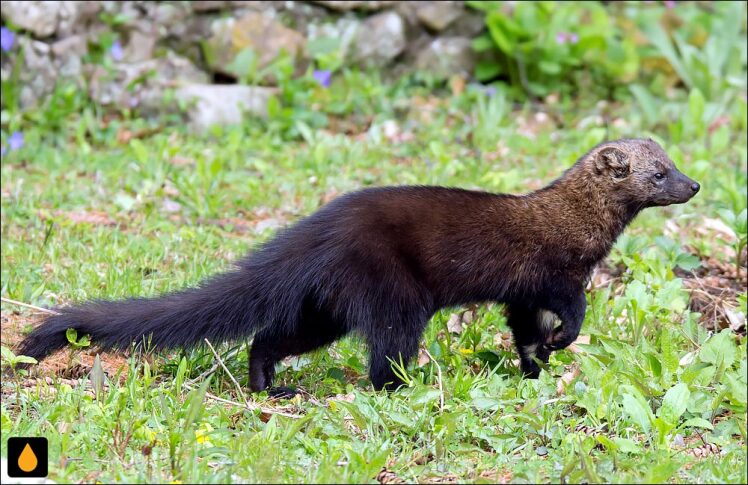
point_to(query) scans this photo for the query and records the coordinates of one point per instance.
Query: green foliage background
(107, 205)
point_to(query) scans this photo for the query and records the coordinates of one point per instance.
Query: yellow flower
(202, 434)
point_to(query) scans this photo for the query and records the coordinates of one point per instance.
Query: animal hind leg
(396, 342)
(269, 347)
(531, 328)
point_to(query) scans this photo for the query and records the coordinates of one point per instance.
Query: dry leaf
(388, 476)
(344, 397)
(468, 317)
(454, 325)
(180, 161)
(736, 318)
(566, 379)
(98, 218)
(704, 450)
(423, 357)
(716, 225)
(582, 339)
(169, 205)
(457, 83)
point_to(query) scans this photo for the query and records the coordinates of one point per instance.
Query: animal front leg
(571, 312)
(531, 328)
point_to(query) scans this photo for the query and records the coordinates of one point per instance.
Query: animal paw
(559, 340)
(282, 392)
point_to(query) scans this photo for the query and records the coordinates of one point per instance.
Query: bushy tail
(223, 308)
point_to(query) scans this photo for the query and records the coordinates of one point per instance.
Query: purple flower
(489, 91)
(3, 150)
(116, 51)
(669, 3)
(564, 37)
(323, 77)
(15, 142)
(7, 39)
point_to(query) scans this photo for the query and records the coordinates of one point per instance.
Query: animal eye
(659, 176)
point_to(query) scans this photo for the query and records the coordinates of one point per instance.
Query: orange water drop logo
(27, 459)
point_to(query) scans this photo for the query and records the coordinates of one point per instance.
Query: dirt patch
(714, 289)
(13, 324)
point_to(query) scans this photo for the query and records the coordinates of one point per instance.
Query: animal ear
(612, 161)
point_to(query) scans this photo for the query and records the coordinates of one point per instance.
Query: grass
(106, 206)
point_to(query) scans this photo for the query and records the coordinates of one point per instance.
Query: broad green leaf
(674, 403)
(638, 410)
(719, 350)
(697, 423)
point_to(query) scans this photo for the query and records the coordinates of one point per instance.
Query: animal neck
(594, 211)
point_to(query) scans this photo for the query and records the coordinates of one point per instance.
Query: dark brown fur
(382, 261)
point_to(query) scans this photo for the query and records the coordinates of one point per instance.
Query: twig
(218, 358)
(204, 374)
(39, 309)
(214, 367)
(439, 377)
(248, 406)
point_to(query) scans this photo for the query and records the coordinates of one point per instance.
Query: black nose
(695, 187)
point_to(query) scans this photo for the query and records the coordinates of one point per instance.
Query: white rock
(222, 104)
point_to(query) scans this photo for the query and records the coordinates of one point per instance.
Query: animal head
(640, 173)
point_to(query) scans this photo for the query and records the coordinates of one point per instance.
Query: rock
(143, 84)
(301, 15)
(344, 6)
(128, 13)
(222, 104)
(44, 65)
(44, 19)
(38, 75)
(212, 6)
(266, 36)
(444, 57)
(438, 15)
(68, 56)
(379, 40)
(468, 24)
(171, 19)
(343, 30)
(141, 45)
